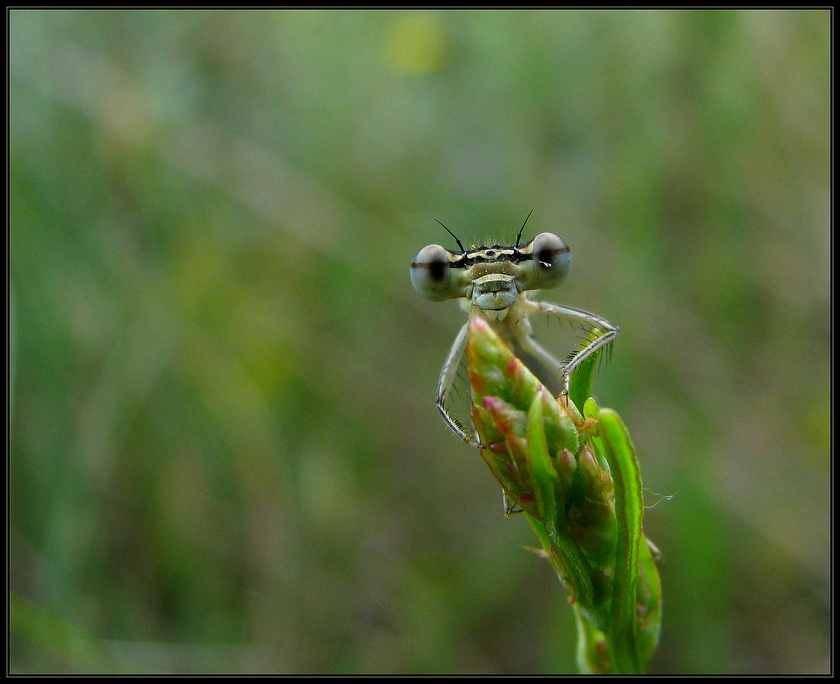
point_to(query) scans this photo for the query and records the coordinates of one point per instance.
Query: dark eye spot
(437, 270)
(546, 256)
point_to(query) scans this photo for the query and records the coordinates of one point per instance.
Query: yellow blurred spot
(417, 43)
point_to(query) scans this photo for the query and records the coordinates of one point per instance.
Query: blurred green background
(224, 450)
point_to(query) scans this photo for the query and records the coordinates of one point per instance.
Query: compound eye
(552, 260)
(431, 274)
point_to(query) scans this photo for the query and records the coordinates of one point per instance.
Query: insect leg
(540, 362)
(595, 324)
(509, 505)
(447, 378)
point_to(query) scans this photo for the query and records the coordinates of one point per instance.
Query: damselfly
(494, 282)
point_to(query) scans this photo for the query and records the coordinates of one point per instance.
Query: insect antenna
(519, 235)
(453, 235)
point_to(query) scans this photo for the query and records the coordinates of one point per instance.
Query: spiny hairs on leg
(592, 335)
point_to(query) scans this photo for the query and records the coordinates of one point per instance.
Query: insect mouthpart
(495, 292)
